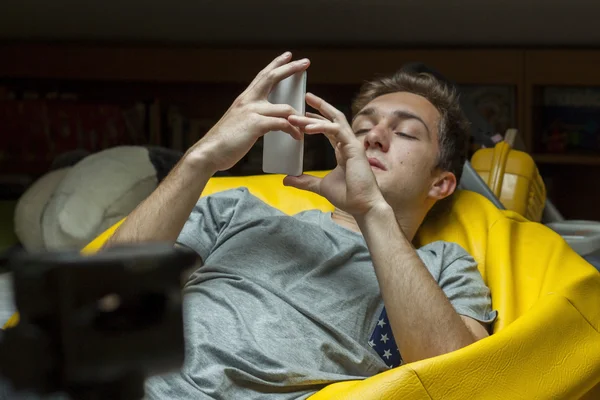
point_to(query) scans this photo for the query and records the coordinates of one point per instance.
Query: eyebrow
(401, 114)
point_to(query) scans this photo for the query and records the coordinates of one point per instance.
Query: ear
(443, 185)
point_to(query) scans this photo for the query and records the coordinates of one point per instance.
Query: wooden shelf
(574, 159)
(164, 66)
(331, 66)
(562, 67)
(204, 81)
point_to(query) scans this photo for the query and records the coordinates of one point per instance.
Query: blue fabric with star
(383, 342)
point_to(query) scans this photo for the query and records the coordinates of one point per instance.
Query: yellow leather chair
(545, 342)
(514, 181)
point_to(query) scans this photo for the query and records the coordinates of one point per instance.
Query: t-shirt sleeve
(209, 218)
(463, 284)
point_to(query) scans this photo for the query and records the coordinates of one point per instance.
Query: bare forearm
(161, 216)
(164, 213)
(422, 318)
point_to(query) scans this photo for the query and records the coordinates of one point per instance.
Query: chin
(386, 186)
(379, 178)
(393, 189)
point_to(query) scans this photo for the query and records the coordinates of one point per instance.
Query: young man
(285, 305)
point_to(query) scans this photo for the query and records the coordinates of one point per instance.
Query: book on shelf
(570, 118)
(34, 132)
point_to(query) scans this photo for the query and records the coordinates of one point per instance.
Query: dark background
(192, 58)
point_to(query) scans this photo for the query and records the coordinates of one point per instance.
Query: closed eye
(406, 135)
(361, 132)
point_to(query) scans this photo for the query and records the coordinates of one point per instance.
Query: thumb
(304, 182)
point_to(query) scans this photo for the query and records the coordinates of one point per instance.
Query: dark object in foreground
(95, 326)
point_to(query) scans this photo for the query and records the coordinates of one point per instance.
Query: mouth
(375, 163)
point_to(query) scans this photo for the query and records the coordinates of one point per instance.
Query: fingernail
(286, 54)
(304, 61)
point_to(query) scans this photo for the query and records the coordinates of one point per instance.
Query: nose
(378, 138)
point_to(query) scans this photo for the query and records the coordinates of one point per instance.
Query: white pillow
(30, 208)
(97, 192)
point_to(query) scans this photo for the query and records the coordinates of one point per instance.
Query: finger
(276, 62)
(345, 134)
(274, 110)
(325, 127)
(268, 80)
(327, 110)
(268, 124)
(301, 121)
(338, 154)
(304, 182)
(330, 129)
(317, 116)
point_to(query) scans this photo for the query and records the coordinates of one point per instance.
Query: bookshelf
(202, 83)
(331, 66)
(567, 159)
(568, 69)
(571, 175)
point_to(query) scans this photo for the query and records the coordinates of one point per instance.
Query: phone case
(282, 154)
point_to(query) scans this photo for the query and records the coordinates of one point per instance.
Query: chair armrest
(552, 351)
(582, 236)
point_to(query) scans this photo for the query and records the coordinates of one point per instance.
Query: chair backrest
(521, 261)
(514, 178)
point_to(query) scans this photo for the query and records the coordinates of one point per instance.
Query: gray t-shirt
(285, 305)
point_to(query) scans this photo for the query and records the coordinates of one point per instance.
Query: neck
(408, 225)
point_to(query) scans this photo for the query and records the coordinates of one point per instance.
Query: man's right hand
(162, 215)
(250, 116)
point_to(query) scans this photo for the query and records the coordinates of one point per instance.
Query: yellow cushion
(546, 342)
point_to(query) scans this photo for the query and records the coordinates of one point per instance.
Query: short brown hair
(453, 129)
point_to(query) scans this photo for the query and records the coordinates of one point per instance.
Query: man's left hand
(351, 186)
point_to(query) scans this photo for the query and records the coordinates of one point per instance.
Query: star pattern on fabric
(383, 342)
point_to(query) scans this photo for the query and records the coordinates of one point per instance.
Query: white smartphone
(282, 154)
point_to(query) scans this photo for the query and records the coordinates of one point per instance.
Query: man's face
(400, 134)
